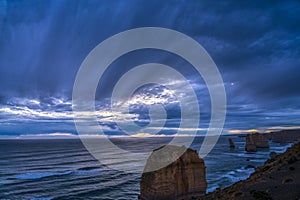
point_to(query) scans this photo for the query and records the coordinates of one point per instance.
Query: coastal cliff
(278, 178)
(183, 179)
(285, 136)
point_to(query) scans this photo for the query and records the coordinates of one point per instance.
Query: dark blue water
(64, 169)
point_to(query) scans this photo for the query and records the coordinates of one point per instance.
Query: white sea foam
(29, 176)
(239, 174)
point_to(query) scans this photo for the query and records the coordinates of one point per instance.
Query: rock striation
(183, 179)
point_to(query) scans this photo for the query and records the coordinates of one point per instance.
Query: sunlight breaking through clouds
(165, 96)
(32, 113)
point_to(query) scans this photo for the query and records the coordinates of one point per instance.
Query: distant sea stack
(250, 146)
(277, 179)
(260, 140)
(256, 140)
(183, 179)
(231, 144)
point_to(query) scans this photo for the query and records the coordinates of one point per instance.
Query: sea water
(34, 169)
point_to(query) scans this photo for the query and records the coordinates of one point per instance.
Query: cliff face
(278, 178)
(286, 136)
(183, 179)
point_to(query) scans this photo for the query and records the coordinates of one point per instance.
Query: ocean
(57, 169)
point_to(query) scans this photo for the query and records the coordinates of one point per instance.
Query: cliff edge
(278, 178)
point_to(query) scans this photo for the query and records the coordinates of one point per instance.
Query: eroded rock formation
(256, 140)
(260, 140)
(183, 179)
(250, 146)
(278, 178)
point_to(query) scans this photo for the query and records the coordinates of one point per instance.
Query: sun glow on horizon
(244, 131)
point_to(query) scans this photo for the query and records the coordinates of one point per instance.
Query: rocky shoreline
(278, 178)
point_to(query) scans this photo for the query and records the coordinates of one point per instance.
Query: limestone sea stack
(250, 146)
(277, 179)
(183, 179)
(260, 140)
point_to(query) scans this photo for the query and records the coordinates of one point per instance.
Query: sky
(255, 45)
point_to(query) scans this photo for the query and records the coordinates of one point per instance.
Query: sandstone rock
(231, 144)
(277, 179)
(250, 146)
(184, 178)
(256, 140)
(260, 140)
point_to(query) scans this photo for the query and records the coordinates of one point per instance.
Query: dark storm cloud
(44, 43)
(256, 46)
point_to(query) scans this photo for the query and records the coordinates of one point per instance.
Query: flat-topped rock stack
(250, 146)
(183, 179)
(260, 140)
(256, 140)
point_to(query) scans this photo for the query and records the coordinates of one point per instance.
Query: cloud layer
(256, 46)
